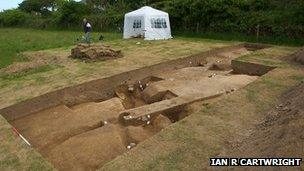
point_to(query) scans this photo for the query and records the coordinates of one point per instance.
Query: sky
(8, 4)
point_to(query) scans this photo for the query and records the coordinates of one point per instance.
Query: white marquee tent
(147, 22)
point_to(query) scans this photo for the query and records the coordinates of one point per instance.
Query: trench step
(144, 114)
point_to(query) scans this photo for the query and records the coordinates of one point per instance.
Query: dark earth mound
(94, 52)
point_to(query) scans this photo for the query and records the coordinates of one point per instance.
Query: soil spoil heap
(94, 52)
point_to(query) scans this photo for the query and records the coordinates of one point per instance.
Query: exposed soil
(280, 134)
(70, 121)
(94, 52)
(222, 61)
(87, 135)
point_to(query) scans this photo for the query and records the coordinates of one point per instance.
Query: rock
(131, 88)
(144, 118)
(131, 145)
(212, 75)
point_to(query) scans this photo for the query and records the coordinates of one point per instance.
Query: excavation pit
(84, 127)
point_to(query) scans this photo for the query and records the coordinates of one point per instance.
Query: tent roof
(146, 10)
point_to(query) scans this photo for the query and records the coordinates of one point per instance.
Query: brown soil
(88, 150)
(195, 81)
(94, 52)
(52, 126)
(280, 134)
(137, 134)
(222, 61)
(87, 135)
(130, 96)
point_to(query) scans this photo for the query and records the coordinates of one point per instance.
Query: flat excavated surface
(197, 81)
(188, 85)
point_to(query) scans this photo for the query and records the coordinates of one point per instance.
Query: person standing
(87, 31)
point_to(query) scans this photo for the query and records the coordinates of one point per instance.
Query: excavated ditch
(84, 132)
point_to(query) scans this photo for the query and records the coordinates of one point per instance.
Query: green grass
(15, 40)
(278, 40)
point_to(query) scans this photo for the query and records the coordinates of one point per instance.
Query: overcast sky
(8, 4)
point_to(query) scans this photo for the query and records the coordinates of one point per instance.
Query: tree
(40, 6)
(72, 12)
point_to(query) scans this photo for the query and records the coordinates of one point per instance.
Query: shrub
(13, 17)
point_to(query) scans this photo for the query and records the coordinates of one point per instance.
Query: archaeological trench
(90, 124)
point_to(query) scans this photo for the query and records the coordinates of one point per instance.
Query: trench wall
(241, 67)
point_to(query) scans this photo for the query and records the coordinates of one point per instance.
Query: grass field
(189, 143)
(13, 41)
(63, 71)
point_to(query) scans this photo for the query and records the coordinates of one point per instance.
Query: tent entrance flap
(147, 22)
